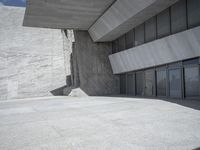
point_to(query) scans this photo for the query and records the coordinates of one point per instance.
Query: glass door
(175, 80)
(192, 83)
(140, 83)
(131, 84)
(149, 83)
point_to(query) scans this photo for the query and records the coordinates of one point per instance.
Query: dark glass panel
(121, 43)
(131, 84)
(161, 81)
(192, 81)
(123, 84)
(149, 83)
(113, 47)
(163, 24)
(139, 35)
(193, 13)
(178, 16)
(150, 29)
(130, 39)
(140, 83)
(175, 83)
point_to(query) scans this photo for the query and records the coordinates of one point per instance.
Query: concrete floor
(97, 123)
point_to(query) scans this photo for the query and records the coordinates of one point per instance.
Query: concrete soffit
(105, 20)
(64, 14)
(124, 15)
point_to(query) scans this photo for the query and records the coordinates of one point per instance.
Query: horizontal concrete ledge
(67, 14)
(124, 15)
(170, 49)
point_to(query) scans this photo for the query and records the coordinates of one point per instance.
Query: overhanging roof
(104, 19)
(70, 14)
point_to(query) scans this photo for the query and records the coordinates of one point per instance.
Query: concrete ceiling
(105, 20)
(71, 14)
(123, 16)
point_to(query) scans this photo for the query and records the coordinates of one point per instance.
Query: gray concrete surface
(64, 14)
(123, 16)
(31, 60)
(177, 47)
(91, 69)
(98, 123)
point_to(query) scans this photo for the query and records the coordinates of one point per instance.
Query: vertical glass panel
(175, 83)
(130, 39)
(161, 82)
(116, 46)
(139, 35)
(149, 83)
(122, 43)
(123, 84)
(178, 16)
(193, 13)
(163, 24)
(192, 81)
(140, 83)
(113, 47)
(131, 84)
(150, 29)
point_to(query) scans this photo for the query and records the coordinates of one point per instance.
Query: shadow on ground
(194, 104)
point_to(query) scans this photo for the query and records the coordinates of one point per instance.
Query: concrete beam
(124, 15)
(174, 48)
(68, 14)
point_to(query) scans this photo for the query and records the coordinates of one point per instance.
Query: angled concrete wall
(92, 71)
(31, 59)
(123, 16)
(170, 49)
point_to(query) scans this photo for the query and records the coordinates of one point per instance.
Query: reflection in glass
(123, 84)
(131, 84)
(139, 35)
(161, 82)
(140, 83)
(175, 83)
(192, 81)
(149, 82)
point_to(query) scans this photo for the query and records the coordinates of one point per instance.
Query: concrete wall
(123, 16)
(170, 49)
(31, 60)
(92, 71)
(61, 14)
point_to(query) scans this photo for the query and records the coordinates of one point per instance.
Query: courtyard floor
(98, 123)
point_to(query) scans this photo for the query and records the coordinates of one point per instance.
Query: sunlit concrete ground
(97, 123)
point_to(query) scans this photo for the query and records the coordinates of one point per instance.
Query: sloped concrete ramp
(97, 123)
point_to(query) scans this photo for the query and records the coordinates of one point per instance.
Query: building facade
(144, 48)
(160, 57)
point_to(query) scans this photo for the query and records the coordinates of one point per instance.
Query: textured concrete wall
(170, 49)
(61, 14)
(91, 67)
(31, 59)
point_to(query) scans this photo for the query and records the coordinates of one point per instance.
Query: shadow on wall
(90, 69)
(193, 103)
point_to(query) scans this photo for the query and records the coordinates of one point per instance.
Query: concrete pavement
(97, 123)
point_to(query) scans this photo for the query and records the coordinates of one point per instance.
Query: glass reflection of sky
(18, 3)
